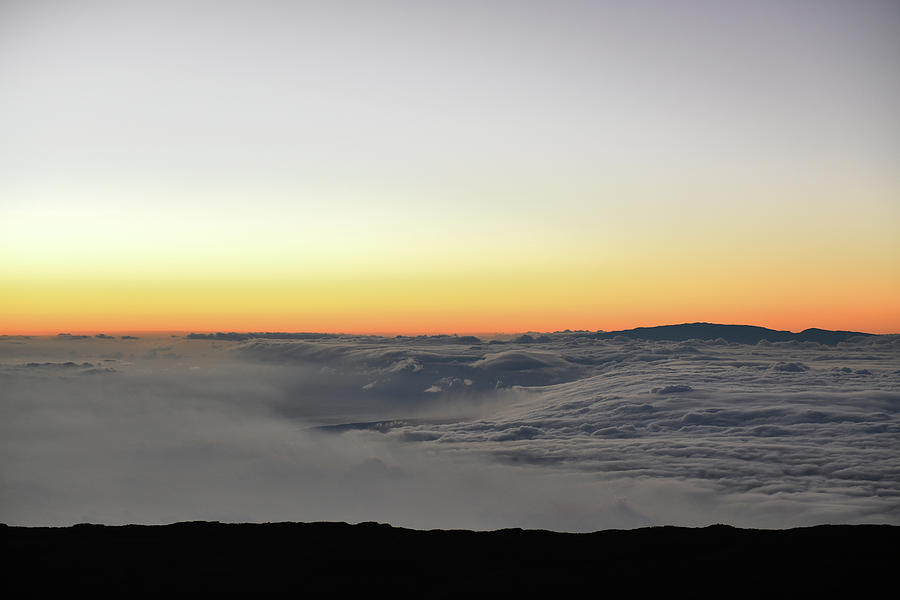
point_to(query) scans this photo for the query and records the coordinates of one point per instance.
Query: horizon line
(382, 332)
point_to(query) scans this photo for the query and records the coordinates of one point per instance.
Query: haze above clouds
(558, 431)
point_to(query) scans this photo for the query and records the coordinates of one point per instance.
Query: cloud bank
(557, 431)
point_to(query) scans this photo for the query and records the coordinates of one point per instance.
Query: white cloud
(608, 433)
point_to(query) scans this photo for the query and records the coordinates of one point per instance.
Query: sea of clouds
(560, 431)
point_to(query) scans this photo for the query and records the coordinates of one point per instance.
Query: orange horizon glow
(447, 303)
(388, 328)
(539, 300)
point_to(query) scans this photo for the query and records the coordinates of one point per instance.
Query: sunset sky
(441, 167)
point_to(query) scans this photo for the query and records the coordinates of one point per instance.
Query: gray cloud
(567, 433)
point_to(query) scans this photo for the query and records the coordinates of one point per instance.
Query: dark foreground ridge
(336, 557)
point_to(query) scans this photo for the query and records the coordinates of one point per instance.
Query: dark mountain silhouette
(304, 558)
(233, 336)
(740, 334)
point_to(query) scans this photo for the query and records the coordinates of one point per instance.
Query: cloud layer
(558, 431)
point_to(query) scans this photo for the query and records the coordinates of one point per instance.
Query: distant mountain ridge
(737, 334)
(740, 334)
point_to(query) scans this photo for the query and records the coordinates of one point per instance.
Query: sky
(408, 167)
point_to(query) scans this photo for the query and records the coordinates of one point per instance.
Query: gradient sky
(448, 166)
